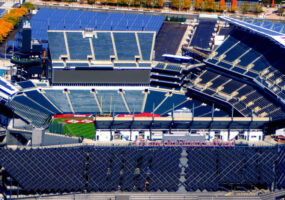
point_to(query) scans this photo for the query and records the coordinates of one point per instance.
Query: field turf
(78, 130)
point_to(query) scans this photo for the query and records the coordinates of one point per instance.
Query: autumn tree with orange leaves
(198, 4)
(10, 20)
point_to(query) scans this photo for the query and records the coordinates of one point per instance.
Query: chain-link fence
(106, 169)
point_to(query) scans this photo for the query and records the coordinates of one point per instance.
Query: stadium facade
(158, 126)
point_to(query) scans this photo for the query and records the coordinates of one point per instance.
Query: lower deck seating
(111, 101)
(58, 97)
(170, 103)
(31, 115)
(134, 99)
(83, 101)
(39, 98)
(154, 98)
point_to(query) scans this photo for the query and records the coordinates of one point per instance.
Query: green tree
(136, 3)
(187, 4)
(204, 5)
(244, 7)
(28, 5)
(257, 8)
(148, 3)
(111, 2)
(91, 1)
(175, 4)
(123, 2)
(160, 3)
(280, 11)
(198, 4)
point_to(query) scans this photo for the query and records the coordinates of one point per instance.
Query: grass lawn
(78, 130)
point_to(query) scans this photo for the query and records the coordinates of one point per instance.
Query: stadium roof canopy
(276, 36)
(180, 123)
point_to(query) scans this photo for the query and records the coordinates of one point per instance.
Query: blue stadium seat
(146, 41)
(39, 98)
(171, 102)
(26, 84)
(134, 99)
(154, 98)
(79, 47)
(103, 46)
(57, 47)
(83, 101)
(111, 101)
(59, 99)
(126, 45)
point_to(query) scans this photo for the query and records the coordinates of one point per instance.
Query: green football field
(78, 130)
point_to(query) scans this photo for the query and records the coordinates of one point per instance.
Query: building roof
(276, 36)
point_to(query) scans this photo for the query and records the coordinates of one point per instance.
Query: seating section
(29, 110)
(126, 46)
(6, 89)
(59, 99)
(56, 45)
(154, 98)
(26, 84)
(203, 33)
(146, 41)
(245, 98)
(170, 103)
(77, 65)
(106, 46)
(79, 47)
(61, 19)
(111, 101)
(253, 56)
(40, 99)
(83, 101)
(103, 46)
(29, 114)
(134, 99)
(125, 64)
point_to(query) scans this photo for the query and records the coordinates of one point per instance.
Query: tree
(160, 3)
(176, 4)
(187, 4)
(222, 5)
(257, 8)
(91, 1)
(28, 5)
(136, 3)
(204, 5)
(123, 2)
(9, 20)
(210, 5)
(233, 6)
(244, 7)
(198, 4)
(112, 2)
(280, 11)
(148, 3)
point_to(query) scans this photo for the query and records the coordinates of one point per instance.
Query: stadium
(119, 105)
